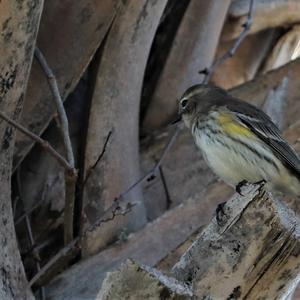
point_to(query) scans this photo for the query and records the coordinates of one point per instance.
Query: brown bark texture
(246, 62)
(115, 110)
(192, 50)
(69, 35)
(19, 22)
(287, 12)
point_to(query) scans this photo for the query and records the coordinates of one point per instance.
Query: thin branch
(246, 27)
(70, 190)
(40, 141)
(70, 179)
(115, 210)
(36, 205)
(91, 169)
(36, 255)
(167, 193)
(153, 172)
(60, 254)
(59, 105)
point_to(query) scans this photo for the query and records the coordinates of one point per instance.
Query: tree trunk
(69, 35)
(19, 22)
(193, 49)
(115, 110)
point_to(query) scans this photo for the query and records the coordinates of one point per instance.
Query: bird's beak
(178, 119)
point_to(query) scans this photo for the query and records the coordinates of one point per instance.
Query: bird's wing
(265, 129)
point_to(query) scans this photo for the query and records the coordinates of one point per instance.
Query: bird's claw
(239, 186)
(261, 184)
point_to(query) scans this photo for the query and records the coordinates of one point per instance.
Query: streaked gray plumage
(200, 104)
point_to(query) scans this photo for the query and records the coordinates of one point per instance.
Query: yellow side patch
(231, 126)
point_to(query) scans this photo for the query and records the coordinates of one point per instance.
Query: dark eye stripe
(184, 103)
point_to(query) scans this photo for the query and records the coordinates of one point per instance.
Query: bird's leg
(220, 211)
(239, 186)
(261, 182)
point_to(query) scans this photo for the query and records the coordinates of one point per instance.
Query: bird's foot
(220, 212)
(261, 184)
(239, 186)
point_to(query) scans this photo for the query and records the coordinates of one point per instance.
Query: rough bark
(245, 63)
(256, 90)
(70, 33)
(133, 282)
(115, 109)
(287, 12)
(147, 246)
(253, 252)
(285, 50)
(202, 24)
(19, 21)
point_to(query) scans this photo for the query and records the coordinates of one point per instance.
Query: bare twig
(36, 205)
(35, 253)
(70, 179)
(246, 27)
(30, 234)
(91, 169)
(60, 254)
(167, 193)
(70, 189)
(152, 173)
(40, 141)
(59, 105)
(114, 210)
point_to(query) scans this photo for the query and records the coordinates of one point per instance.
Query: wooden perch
(253, 252)
(132, 281)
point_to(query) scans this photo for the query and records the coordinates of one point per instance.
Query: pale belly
(234, 164)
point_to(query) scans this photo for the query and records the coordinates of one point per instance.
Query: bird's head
(197, 101)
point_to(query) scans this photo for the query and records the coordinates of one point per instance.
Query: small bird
(239, 141)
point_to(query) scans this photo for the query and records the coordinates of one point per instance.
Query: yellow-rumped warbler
(239, 141)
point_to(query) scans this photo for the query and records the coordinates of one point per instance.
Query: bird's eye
(184, 103)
